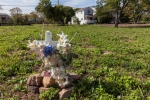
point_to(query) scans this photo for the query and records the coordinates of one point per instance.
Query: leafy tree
(146, 10)
(34, 16)
(45, 7)
(16, 14)
(116, 6)
(76, 9)
(69, 12)
(59, 13)
(134, 10)
(76, 20)
(103, 16)
(26, 18)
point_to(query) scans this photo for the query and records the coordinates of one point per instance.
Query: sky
(28, 6)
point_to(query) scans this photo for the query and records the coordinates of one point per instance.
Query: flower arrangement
(55, 57)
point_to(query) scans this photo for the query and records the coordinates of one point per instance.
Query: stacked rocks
(38, 83)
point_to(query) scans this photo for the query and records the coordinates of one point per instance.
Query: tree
(26, 18)
(103, 16)
(69, 12)
(15, 11)
(45, 7)
(134, 10)
(58, 14)
(116, 6)
(34, 16)
(62, 14)
(76, 9)
(146, 10)
(16, 14)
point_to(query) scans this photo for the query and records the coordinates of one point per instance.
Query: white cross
(48, 38)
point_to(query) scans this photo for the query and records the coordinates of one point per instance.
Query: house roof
(82, 9)
(3, 14)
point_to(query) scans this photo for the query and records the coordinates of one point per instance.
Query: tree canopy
(122, 10)
(16, 14)
(59, 13)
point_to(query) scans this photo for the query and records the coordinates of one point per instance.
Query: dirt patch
(125, 25)
(91, 47)
(30, 96)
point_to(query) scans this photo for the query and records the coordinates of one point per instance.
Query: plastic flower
(37, 45)
(48, 50)
(60, 76)
(62, 37)
(62, 80)
(53, 61)
(33, 45)
(62, 44)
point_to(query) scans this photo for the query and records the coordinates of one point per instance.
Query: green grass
(114, 62)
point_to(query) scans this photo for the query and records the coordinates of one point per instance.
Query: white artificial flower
(63, 36)
(33, 45)
(37, 45)
(63, 80)
(60, 76)
(62, 44)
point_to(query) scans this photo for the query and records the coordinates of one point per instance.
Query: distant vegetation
(123, 11)
(107, 11)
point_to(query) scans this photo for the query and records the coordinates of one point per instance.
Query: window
(81, 12)
(88, 11)
(81, 18)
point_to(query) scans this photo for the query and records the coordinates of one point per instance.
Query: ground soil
(125, 25)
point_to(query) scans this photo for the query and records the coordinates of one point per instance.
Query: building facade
(84, 16)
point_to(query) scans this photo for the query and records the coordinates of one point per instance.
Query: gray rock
(33, 89)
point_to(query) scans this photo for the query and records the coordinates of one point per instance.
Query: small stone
(48, 81)
(41, 89)
(72, 77)
(65, 93)
(33, 89)
(75, 76)
(35, 80)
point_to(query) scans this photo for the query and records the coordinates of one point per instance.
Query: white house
(85, 16)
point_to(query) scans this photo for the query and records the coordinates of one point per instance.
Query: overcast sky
(28, 6)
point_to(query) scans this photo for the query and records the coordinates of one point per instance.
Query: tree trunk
(135, 20)
(117, 19)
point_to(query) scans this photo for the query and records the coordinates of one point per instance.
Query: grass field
(114, 62)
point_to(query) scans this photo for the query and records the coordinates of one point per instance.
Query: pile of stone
(38, 83)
